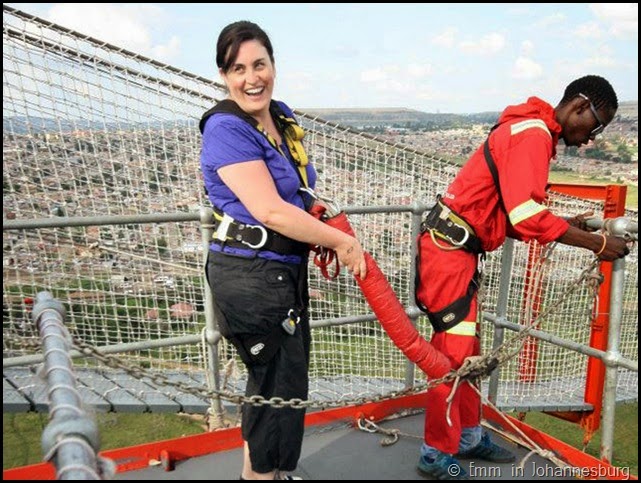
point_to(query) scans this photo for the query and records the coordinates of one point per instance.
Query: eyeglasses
(599, 129)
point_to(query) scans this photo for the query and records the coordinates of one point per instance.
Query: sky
(448, 58)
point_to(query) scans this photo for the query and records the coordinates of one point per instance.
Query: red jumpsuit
(522, 147)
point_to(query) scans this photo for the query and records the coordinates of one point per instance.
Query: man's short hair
(596, 88)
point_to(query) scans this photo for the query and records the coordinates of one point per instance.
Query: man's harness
(443, 223)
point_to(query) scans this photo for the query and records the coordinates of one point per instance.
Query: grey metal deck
(117, 391)
(346, 453)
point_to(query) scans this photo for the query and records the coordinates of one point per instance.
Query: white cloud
(345, 51)
(551, 20)
(525, 68)
(445, 38)
(621, 18)
(589, 30)
(419, 71)
(487, 45)
(527, 47)
(600, 61)
(373, 75)
(395, 82)
(128, 26)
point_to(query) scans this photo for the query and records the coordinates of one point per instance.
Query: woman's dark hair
(235, 34)
(596, 88)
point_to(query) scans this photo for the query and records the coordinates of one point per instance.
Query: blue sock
(470, 438)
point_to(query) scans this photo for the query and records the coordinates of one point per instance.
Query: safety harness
(232, 233)
(492, 167)
(259, 349)
(443, 223)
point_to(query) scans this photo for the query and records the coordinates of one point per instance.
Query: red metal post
(614, 206)
(531, 306)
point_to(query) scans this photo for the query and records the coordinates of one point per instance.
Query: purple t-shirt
(228, 139)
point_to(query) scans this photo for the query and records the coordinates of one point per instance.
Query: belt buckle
(459, 243)
(223, 228)
(263, 240)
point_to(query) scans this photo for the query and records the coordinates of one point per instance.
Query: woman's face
(250, 79)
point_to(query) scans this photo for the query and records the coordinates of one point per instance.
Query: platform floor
(347, 453)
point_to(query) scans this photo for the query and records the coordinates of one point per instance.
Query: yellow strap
(463, 328)
(293, 136)
(457, 219)
(218, 217)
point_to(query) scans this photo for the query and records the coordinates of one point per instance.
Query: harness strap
(445, 224)
(492, 166)
(288, 126)
(455, 313)
(229, 232)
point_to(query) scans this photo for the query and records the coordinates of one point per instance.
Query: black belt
(231, 233)
(451, 227)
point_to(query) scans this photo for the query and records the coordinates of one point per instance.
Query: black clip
(289, 324)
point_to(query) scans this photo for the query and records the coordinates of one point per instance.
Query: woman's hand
(351, 255)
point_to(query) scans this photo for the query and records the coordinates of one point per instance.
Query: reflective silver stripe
(463, 328)
(524, 211)
(523, 125)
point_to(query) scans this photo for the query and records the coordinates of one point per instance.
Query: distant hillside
(628, 109)
(410, 118)
(399, 118)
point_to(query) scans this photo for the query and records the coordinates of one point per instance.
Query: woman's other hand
(351, 255)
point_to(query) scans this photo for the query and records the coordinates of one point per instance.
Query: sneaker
(488, 451)
(291, 477)
(444, 467)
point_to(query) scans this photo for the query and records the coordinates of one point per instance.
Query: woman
(258, 179)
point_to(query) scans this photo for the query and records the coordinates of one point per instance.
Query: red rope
(388, 309)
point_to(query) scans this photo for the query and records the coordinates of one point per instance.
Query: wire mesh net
(91, 130)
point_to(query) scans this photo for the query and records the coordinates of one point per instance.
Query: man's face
(585, 122)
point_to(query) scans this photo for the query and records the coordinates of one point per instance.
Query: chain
(472, 369)
(256, 400)
(502, 353)
(469, 370)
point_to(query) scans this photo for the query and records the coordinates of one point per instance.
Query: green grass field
(631, 200)
(21, 433)
(626, 435)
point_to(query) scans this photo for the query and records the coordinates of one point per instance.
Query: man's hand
(580, 221)
(614, 247)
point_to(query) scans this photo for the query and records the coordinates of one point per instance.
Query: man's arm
(607, 248)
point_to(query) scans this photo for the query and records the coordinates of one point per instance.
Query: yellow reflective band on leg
(463, 328)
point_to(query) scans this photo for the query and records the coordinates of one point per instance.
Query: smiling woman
(260, 182)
